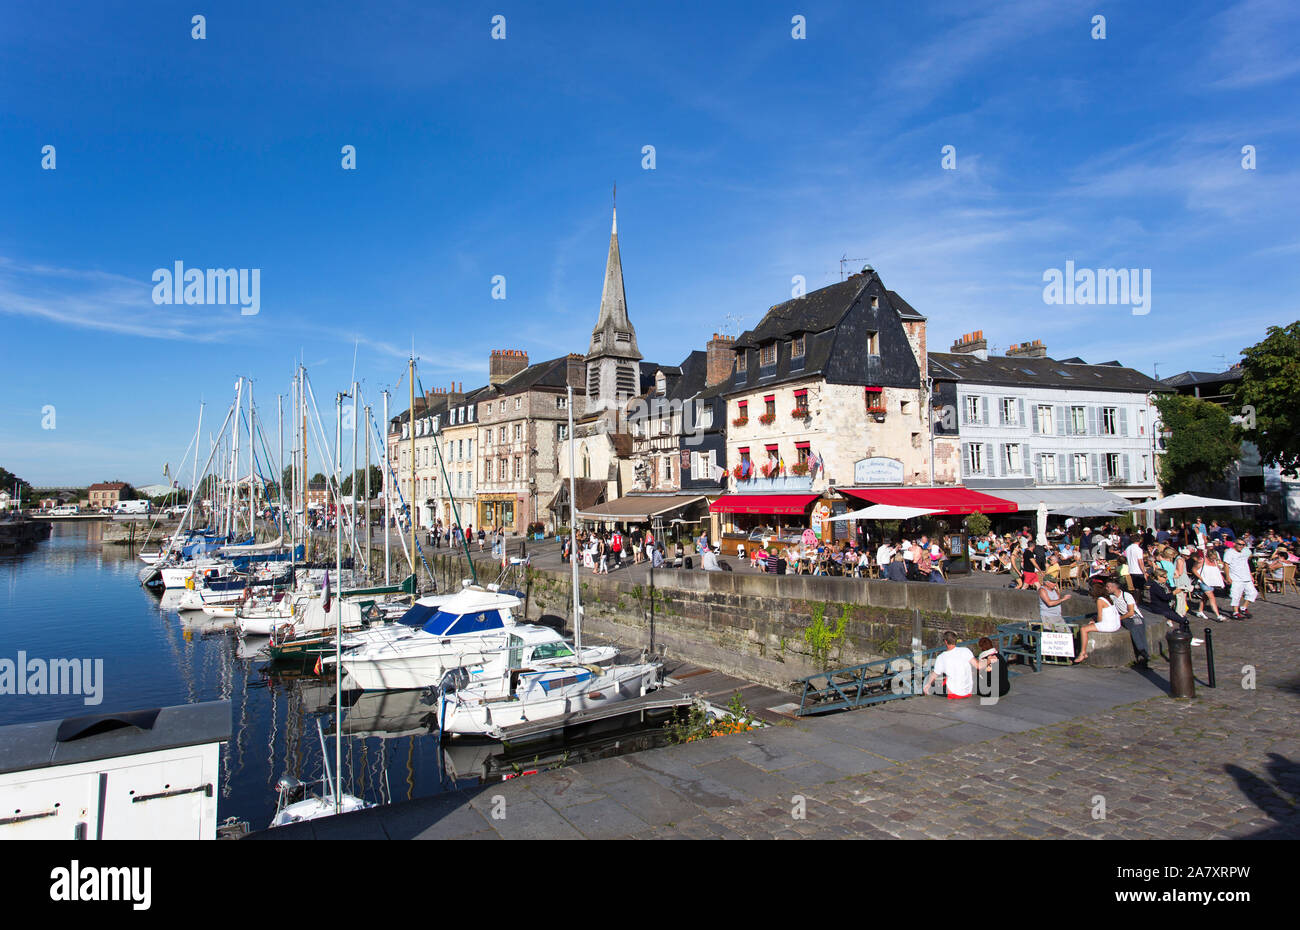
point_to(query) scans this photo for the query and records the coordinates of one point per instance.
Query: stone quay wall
(769, 629)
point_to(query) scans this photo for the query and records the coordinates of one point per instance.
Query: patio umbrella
(1187, 502)
(885, 512)
(1082, 512)
(1042, 524)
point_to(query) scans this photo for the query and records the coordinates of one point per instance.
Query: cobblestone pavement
(1068, 753)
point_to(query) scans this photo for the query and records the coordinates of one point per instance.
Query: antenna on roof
(732, 325)
(846, 260)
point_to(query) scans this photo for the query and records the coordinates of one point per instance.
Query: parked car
(67, 510)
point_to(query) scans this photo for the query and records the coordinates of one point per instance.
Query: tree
(1269, 395)
(318, 478)
(1202, 446)
(376, 481)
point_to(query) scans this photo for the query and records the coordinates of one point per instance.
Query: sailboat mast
(338, 606)
(303, 480)
(411, 500)
(367, 513)
(279, 457)
(252, 462)
(573, 531)
(233, 471)
(388, 498)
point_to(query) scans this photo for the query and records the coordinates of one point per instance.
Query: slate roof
(1191, 378)
(835, 321)
(549, 374)
(1040, 372)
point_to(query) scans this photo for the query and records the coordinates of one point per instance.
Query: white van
(133, 507)
(67, 510)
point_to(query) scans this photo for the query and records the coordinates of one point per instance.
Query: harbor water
(75, 596)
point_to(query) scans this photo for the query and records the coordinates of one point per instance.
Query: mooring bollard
(1209, 657)
(1181, 682)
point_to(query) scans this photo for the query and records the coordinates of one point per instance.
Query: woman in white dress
(1107, 622)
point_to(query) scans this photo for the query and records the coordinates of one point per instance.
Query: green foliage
(820, 637)
(1269, 395)
(376, 481)
(698, 725)
(1202, 445)
(977, 524)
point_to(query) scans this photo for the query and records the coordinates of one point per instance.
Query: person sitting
(896, 570)
(1276, 568)
(987, 664)
(657, 557)
(956, 666)
(1050, 599)
(1107, 622)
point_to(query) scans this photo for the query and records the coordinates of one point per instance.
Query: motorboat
(528, 695)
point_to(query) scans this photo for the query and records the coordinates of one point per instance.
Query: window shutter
(1097, 474)
(1123, 421)
(1092, 421)
(965, 411)
(1020, 411)
(966, 466)
(1025, 459)
(1036, 471)
(984, 410)
(1060, 420)
(1123, 465)
(992, 459)
(1033, 419)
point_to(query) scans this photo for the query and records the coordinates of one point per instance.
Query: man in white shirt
(885, 554)
(1237, 559)
(908, 552)
(1136, 571)
(957, 666)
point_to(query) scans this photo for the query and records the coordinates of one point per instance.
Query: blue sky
(477, 157)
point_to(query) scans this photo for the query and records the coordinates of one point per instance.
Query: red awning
(947, 500)
(763, 503)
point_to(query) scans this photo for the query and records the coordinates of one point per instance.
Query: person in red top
(616, 546)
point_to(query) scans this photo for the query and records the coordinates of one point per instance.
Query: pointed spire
(613, 334)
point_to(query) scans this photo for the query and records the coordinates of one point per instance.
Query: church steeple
(613, 369)
(613, 335)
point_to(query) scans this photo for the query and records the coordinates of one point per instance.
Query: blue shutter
(1123, 421)
(1026, 459)
(1060, 467)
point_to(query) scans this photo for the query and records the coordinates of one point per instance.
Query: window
(502, 434)
(1009, 412)
(769, 405)
(562, 402)
(519, 431)
(975, 458)
(1044, 415)
(1079, 421)
(487, 470)
(668, 468)
(519, 466)
(972, 409)
(622, 338)
(796, 347)
(487, 437)
(1142, 422)
(769, 355)
(1146, 474)
(801, 451)
(1109, 421)
(1047, 467)
(1112, 467)
(503, 470)
(1081, 464)
(519, 402)
(741, 360)
(704, 416)
(873, 344)
(502, 407)
(1013, 459)
(561, 431)
(875, 303)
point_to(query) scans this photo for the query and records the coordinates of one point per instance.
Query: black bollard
(1209, 656)
(1181, 682)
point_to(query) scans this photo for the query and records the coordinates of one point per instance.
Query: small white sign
(1058, 644)
(878, 471)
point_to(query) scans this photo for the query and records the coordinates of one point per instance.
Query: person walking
(1135, 558)
(1237, 559)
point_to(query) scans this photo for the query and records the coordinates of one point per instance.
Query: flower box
(767, 419)
(800, 413)
(799, 468)
(740, 421)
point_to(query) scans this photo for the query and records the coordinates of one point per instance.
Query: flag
(327, 591)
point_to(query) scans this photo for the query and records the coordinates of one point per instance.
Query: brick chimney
(1034, 349)
(973, 344)
(721, 356)
(505, 364)
(577, 374)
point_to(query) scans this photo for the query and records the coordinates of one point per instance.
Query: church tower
(613, 360)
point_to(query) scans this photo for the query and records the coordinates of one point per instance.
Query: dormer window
(660, 382)
(875, 303)
(742, 360)
(768, 357)
(796, 347)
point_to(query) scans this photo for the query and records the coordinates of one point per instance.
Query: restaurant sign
(878, 471)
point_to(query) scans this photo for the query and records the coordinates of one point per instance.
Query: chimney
(577, 373)
(973, 344)
(1034, 349)
(505, 364)
(721, 356)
